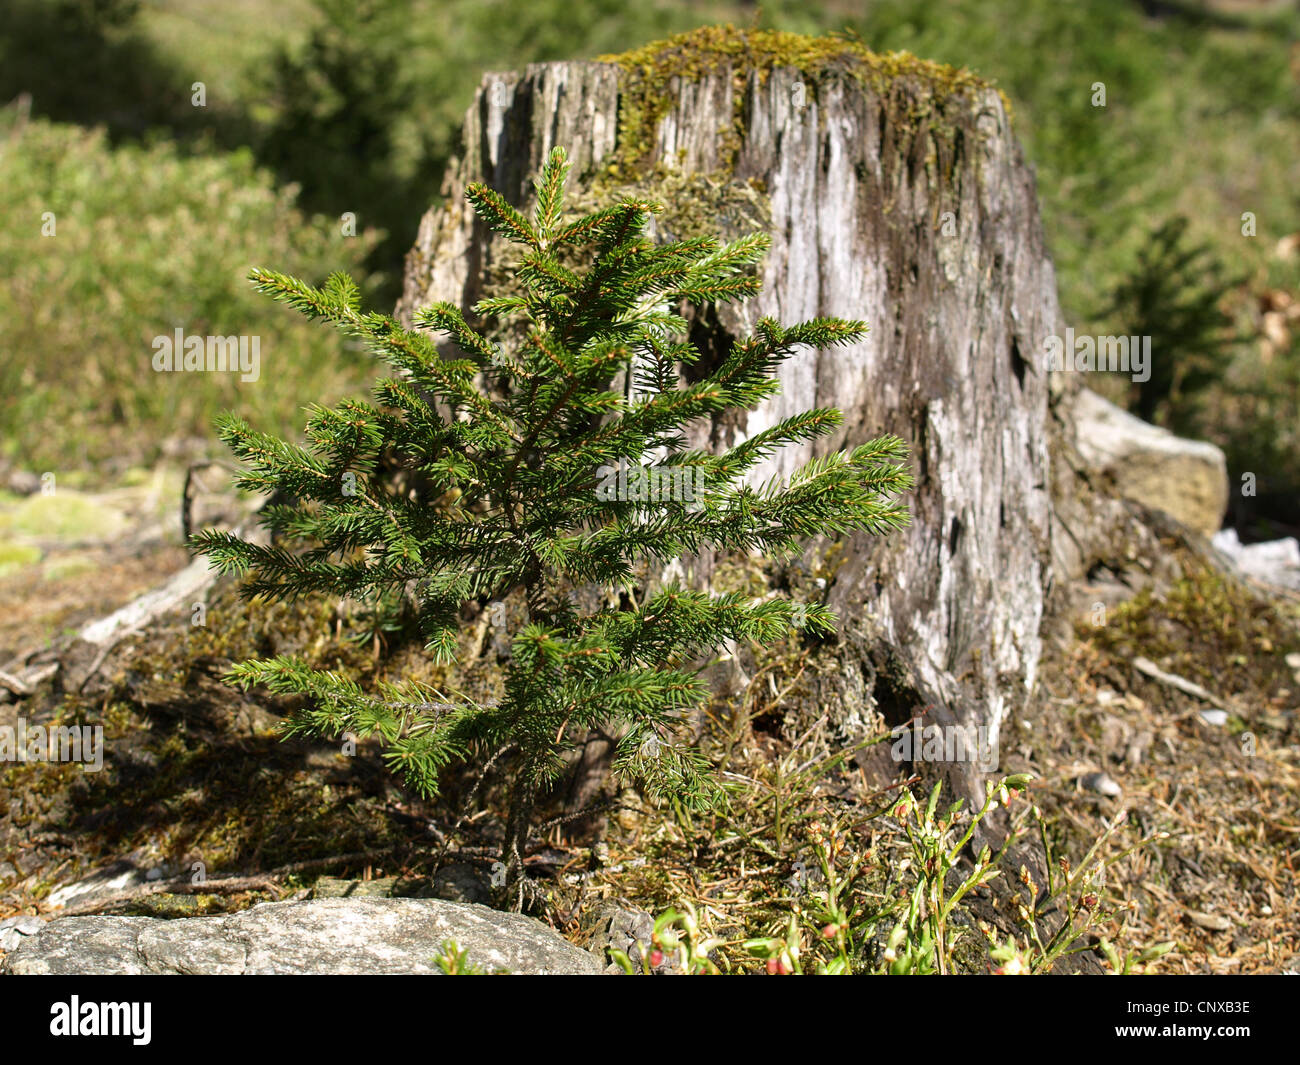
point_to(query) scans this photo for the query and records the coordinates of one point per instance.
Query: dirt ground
(199, 772)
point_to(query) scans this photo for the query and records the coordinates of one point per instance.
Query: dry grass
(1226, 823)
(1226, 795)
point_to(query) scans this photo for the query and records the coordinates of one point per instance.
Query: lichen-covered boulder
(316, 936)
(1187, 479)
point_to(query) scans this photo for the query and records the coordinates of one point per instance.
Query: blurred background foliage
(315, 108)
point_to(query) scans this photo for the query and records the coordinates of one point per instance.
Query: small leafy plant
(677, 942)
(488, 472)
(454, 960)
(837, 930)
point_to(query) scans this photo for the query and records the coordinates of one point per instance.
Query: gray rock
(1211, 922)
(1187, 479)
(23, 482)
(461, 882)
(1275, 562)
(620, 926)
(1102, 784)
(14, 929)
(315, 936)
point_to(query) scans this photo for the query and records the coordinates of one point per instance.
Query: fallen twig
(227, 885)
(1150, 669)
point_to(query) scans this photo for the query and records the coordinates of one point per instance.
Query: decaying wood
(184, 588)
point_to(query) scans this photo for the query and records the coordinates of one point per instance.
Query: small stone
(1215, 717)
(1212, 922)
(24, 483)
(24, 923)
(462, 882)
(1102, 784)
(1293, 660)
(14, 929)
(618, 925)
(1138, 747)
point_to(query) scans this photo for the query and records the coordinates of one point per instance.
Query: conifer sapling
(576, 372)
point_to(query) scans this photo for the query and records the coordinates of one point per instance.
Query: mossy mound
(1208, 629)
(15, 556)
(64, 515)
(705, 50)
(650, 70)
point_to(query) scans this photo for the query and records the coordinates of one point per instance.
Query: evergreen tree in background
(1175, 294)
(516, 439)
(337, 103)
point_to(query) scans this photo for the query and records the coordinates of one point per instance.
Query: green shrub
(104, 249)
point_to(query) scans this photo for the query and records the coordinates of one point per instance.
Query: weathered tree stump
(894, 191)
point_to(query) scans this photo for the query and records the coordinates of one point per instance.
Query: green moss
(741, 574)
(649, 70)
(170, 906)
(63, 568)
(1205, 628)
(15, 556)
(826, 564)
(695, 205)
(64, 516)
(137, 475)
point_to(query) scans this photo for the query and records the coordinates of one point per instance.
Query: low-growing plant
(454, 960)
(835, 929)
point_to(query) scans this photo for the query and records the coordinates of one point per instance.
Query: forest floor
(1200, 835)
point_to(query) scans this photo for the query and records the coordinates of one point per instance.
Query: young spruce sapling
(578, 371)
